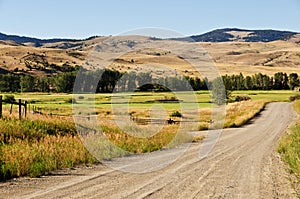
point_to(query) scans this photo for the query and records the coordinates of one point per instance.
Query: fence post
(25, 109)
(20, 109)
(0, 106)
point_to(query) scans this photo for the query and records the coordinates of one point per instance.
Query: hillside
(235, 34)
(237, 53)
(34, 41)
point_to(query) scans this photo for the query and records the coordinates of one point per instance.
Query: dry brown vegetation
(40, 144)
(237, 114)
(289, 146)
(230, 57)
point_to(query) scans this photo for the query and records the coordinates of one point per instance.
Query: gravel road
(243, 164)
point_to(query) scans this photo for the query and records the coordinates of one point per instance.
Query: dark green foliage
(153, 88)
(295, 97)
(27, 83)
(64, 82)
(176, 114)
(107, 81)
(9, 83)
(9, 98)
(280, 81)
(293, 81)
(242, 98)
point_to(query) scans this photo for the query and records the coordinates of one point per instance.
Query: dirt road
(243, 164)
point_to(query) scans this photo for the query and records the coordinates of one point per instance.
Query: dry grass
(289, 146)
(240, 113)
(230, 57)
(237, 114)
(13, 57)
(38, 157)
(115, 142)
(39, 145)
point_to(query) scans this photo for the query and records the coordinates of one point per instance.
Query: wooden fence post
(25, 109)
(20, 109)
(0, 106)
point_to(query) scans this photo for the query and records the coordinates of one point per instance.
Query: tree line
(279, 81)
(107, 81)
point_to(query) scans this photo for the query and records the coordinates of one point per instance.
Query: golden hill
(229, 57)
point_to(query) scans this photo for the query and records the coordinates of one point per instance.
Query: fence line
(19, 103)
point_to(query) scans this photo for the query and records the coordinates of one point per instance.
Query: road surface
(243, 164)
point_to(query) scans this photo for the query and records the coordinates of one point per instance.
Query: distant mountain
(235, 34)
(219, 35)
(37, 42)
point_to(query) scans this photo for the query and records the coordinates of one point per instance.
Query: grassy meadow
(44, 142)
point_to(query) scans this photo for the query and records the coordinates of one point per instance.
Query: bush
(295, 97)
(70, 101)
(176, 114)
(242, 98)
(9, 98)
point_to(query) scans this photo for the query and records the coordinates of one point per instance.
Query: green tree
(27, 83)
(43, 84)
(281, 81)
(248, 85)
(64, 82)
(293, 81)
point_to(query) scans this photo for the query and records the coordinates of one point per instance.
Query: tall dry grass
(35, 158)
(289, 146)
(114, 142)
(38, 145)
(237, 114)
(240, 113)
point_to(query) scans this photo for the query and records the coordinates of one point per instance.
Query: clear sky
(84, 18)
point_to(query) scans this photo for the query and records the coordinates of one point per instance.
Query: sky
(82, 19)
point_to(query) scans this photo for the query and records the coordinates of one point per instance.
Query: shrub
(295, 97)
(9, 98)
(242, 98)
(176, 114)
(70, 101)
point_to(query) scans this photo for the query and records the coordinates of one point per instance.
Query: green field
(61, 104)
(274, 96)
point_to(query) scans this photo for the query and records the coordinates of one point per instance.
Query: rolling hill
(235, 34)
(36, 42)
(232, 51)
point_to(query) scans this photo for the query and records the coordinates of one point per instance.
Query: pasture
(48, 140)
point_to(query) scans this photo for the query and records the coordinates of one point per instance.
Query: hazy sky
(81, 19)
